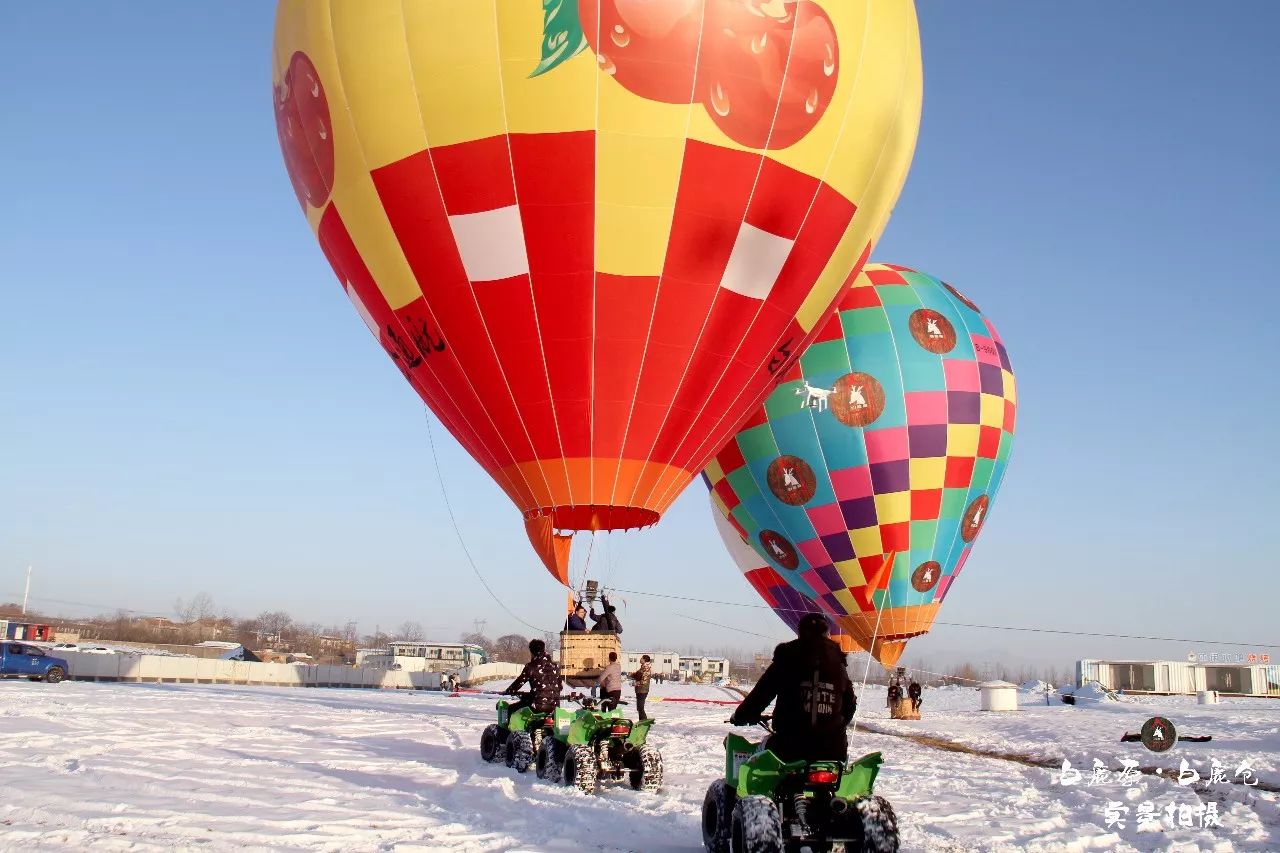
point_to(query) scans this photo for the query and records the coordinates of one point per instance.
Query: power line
(967, 624)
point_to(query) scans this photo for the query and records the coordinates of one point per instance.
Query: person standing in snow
(610, 683)
(641, 677)
(815, 698)
(543, 677)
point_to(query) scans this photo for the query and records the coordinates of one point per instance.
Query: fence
(159, 669)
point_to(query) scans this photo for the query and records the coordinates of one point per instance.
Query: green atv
(589, 746)
(764, 805)
(515, 738)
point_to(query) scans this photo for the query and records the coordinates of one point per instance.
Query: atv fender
(639, 732)
(519, 721)
(859, 777)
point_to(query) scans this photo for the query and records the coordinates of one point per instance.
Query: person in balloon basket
(577, 620)
(914, 694)
(608, 621)
(815, 698)
(543, 677)
(610, 684)
(641, 678)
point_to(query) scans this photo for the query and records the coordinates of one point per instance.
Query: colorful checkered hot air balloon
(790, 601)
(589, 232)
(868, 473)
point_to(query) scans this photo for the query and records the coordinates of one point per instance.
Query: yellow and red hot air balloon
(591, 234)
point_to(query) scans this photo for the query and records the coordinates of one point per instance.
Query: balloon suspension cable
(586, 566)
(870, 656)
(458, 532)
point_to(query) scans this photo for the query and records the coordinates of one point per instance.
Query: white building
(666, 664)
(700, 669)
(1241, 675)
(421, 656)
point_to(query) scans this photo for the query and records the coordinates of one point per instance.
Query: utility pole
(480, 623)
(27, 592)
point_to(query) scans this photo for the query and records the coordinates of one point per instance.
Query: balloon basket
(902, 710)
(585, 654)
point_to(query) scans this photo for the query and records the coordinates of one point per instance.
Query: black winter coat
(815, 701)
(543, 676)
(607, 622)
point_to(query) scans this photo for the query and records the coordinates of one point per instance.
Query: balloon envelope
(590, 238)
(787, 601)
(865, 478)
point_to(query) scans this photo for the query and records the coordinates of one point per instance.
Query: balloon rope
(870, 654)
(458, 532)
(586, 567)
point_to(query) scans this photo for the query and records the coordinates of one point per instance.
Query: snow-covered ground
(159, 767)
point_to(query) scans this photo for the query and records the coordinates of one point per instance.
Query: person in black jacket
(543, 676)
(815, 699)
(607, 622)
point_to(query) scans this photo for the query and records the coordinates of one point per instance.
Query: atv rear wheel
(874, 822)
(519, 751)
(580, 769)
(717, 817)
(492, 742)
(757, 827)
(549, 762)
(647, 776)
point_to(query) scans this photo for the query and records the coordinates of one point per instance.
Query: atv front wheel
(647, 776)
(549, 762)
(54, 675)
(717, 817)
(580, 769)
(519, 751)
(875, 823)
(757, 827)
(491, 742)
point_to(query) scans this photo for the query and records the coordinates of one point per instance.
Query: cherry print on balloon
(305, 131)
(764, 70)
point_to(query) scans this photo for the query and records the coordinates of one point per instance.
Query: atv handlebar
(763, 722)
(588, 701)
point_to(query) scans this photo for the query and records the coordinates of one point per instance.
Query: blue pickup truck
(32, 661)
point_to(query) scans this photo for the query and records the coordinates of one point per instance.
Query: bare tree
(271, 626)
(476, 639)
(376, 640)
(411, 631)
(511, 648)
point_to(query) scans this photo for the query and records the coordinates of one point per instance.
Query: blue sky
(190, 404)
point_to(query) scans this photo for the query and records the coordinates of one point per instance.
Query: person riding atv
(815, 698)
(543, 677)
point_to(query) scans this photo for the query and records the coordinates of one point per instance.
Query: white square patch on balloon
(360, 309)
(755, 262)
(491, 243)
